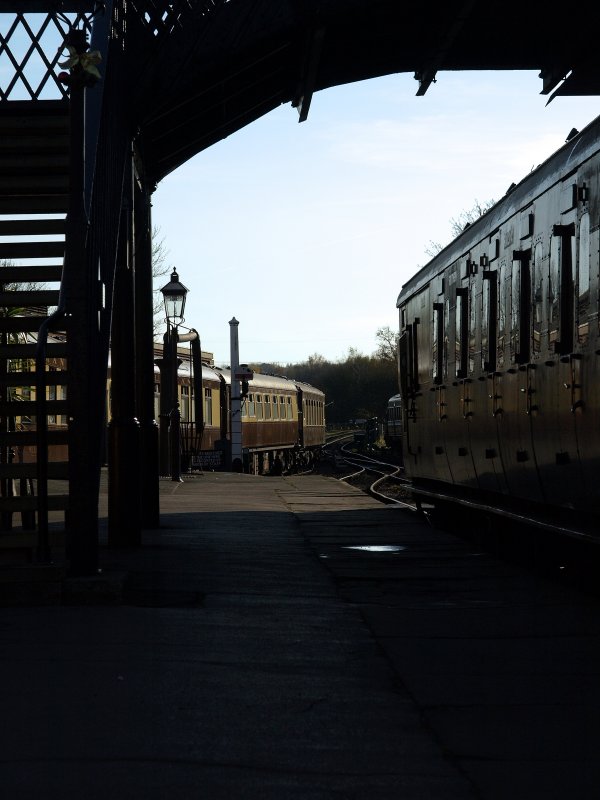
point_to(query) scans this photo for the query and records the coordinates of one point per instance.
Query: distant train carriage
(392, 429)
(499, 353)
(283, 421)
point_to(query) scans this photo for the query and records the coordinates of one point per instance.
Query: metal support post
(124, 493)
(168, 366)
(236, 400)
(144, 324)
(175, 443)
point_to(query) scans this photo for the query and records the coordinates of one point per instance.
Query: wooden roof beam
(306, 86)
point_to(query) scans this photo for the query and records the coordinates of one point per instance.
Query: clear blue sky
(305, 232)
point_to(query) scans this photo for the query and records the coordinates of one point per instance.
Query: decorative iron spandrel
(29, 54)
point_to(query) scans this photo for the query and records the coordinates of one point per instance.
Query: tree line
(357, 387)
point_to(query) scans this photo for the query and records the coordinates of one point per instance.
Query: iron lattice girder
(46, 6)
(219, 72)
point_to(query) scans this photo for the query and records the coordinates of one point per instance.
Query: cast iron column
(124, 493)
(144, 323)
(168, 366)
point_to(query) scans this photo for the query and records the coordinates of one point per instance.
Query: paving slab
(291, 637)
(231, 669)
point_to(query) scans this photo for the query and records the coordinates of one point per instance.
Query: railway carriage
(500, 353)
(283, 422)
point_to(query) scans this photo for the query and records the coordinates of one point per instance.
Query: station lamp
(174, 294)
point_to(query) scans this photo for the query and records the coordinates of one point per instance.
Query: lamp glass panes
(174, 294)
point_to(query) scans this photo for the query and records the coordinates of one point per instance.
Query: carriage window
(415, 353)
(259, 407)
(404, 377)
(437, 342)
(489, 305)
(251, 406)
(275, 408)
(560, 294)
(462, 331)
(502, 314)
(185, 403)
(472, 326)
(446, 353)
(538, 297)
(583, 280)
(553, 293)
(267, 406)
(289, 408)
(51, 395)
(515, 302)
(208, 406)
(520, 312)
(409, 362)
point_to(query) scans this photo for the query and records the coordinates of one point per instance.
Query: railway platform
(291, 638)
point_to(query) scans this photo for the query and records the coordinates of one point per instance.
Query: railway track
(381, 479)
(558, 558)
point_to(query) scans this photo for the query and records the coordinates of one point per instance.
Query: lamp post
(174, 294)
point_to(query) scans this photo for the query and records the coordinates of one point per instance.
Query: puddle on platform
(375, 548)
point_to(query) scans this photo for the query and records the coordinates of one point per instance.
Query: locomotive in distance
(499, 353)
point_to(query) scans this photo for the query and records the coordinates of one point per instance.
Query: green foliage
(357, 387)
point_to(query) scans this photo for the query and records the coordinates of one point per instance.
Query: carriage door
(569, 364)
(408, 368)
(519, 387)
(587, 414)
(406, 381)
(488, 462)
(439, 419)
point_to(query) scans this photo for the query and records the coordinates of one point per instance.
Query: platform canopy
(218, 75)
(200, 70)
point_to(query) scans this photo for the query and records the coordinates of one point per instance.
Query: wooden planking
(25, 438)
(19, 324)
(47, 163)
(57, 470)
(32, 227)
(36, 183)
(11, 250)
(50, 202)
(44, 116)
(28, 408)
(44, 273)
(34, 179)
(58, 377)
(21, 299)
(17, 350)
(28, 502)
